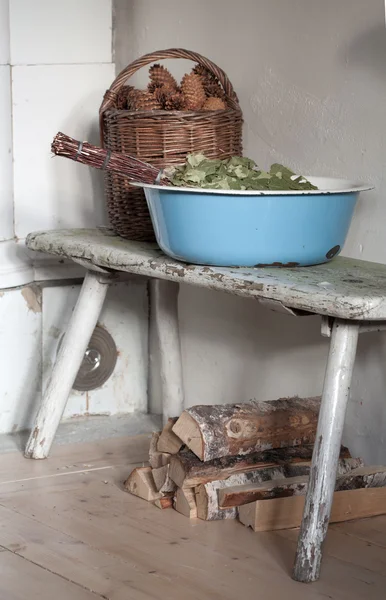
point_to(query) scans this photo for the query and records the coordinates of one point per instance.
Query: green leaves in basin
(236, 173)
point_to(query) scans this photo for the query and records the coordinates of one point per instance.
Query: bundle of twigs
(93, 156)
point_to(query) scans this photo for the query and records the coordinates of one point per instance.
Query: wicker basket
(162, 138)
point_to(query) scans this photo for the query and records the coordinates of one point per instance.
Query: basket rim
(163, 112)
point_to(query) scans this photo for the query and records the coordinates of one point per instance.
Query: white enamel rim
(326, 185)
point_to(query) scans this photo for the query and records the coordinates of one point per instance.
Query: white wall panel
(20, 357)
(55, 192)
(6, 177)
(125, 316)
(4, 32)
(57, 31)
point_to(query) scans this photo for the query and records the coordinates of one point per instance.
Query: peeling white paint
(20, 362)
(125, 317)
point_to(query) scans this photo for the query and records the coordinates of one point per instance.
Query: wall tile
(55, 192)
(15, 265)
(6, 178)
(4, 32)
(56, 32)
(20, 359)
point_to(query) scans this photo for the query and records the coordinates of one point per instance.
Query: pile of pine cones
(199, 90)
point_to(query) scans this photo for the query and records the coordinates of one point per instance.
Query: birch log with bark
(187, 470)
(237, 495)
(365, 477)
(345, 465)
(207, 495)
(238, 429)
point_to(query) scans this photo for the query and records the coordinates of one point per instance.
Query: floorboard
(21, 579)
(69, 519)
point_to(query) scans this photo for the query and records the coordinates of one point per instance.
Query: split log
(162, 481)
(365, 477)
(157, 459)
(299, 469)
(186, 470)
(164, 502)
(277, 488)
(185, 503)
(168, 441)
(234, 429)
(287, 513)
(141, 483)
(207, 503)
(297, 486)
(207, 495)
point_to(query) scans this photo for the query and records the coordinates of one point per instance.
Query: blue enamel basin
(249, 228)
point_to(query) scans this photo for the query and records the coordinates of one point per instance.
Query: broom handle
(99, 158)
(111, 94)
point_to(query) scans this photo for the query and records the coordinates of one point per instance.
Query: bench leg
(320, 492)
(70, 356)
(164, 317)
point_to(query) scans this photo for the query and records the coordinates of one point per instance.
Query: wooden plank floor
(67, 530)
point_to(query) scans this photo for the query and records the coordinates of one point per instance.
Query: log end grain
(188, 430)
(141, 483)
(169, 441)
(185, 503)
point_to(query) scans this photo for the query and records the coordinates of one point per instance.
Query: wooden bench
(350, 296)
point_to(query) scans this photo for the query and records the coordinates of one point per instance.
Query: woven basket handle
(111, 94)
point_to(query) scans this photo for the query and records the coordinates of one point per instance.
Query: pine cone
(147, 101)
(214, 104)
(121, 100)
(212, 86)
(214, 90)
(164, 92)
(175, 102)
(193, 91)
(153, 86)
(132, 98)
(161, 76)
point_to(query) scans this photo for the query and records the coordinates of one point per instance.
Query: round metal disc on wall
(98, 362)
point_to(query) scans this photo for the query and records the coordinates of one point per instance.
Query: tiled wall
(55, 64)
(6, 200)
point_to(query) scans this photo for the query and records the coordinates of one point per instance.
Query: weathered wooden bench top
(344, 288)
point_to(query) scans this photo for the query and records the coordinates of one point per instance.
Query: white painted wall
(61, 57)
(55, 64)
(125, 317)
(20, 359)
(311, 77)
(33, 320)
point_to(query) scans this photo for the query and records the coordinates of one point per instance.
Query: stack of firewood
(250, 461)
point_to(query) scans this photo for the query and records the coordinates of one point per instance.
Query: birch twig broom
(93, 156)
